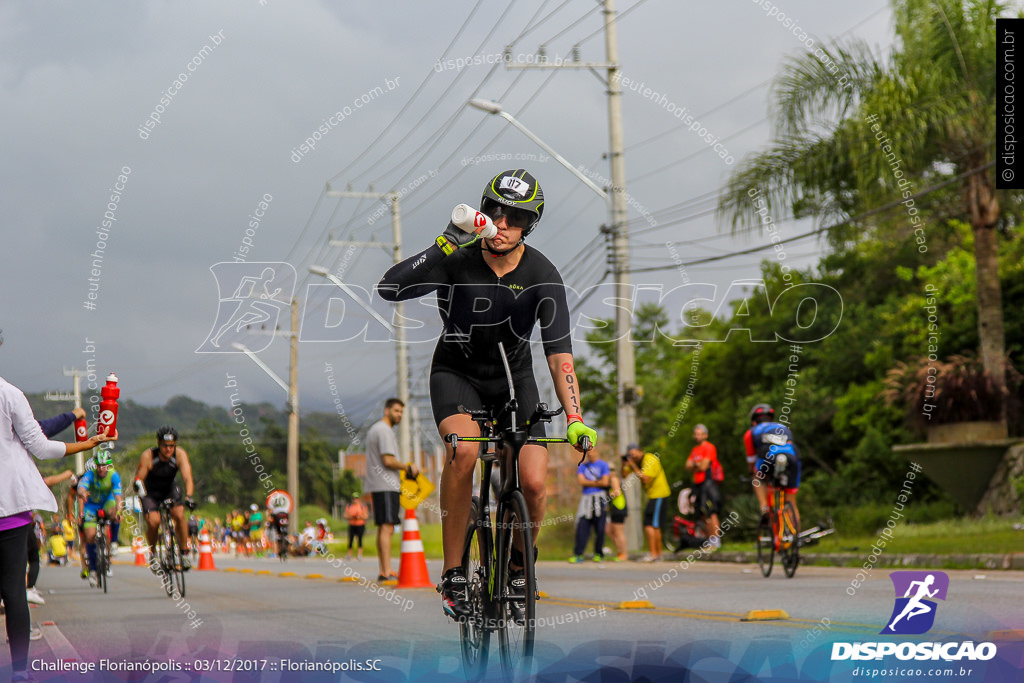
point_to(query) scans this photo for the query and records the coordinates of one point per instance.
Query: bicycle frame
(494, 599)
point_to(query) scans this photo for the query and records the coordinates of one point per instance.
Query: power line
(419, 89)
(819, 231)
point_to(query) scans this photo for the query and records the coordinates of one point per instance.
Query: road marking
(708, 615)
(765, 615)
(61, 647)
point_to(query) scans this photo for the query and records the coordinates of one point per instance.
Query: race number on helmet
(519, 191)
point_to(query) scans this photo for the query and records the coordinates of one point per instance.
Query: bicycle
(778, 531)
(102, 549)
(487, 563)
(685, 532)
(283, 546)
(169, 553)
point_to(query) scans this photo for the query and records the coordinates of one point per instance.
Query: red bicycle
(778, 531)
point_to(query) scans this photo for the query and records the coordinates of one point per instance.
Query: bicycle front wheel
(476, 638)
(517, 611)
(102, 559)
(167, 560)
(790, 541)
(765, 545)
(177, 568)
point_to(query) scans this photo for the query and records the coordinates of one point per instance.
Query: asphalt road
(246, 610)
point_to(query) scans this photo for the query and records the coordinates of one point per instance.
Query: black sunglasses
(516, 218)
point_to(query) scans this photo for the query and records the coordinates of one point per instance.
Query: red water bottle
(108, 406)
(81, 430)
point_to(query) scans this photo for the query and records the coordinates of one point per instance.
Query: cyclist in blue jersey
(764, 441)
(98, 489)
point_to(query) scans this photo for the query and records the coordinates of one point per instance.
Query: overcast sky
(80, 81)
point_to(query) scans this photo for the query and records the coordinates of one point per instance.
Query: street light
(495, 108)
(323, 272)
(402, 358)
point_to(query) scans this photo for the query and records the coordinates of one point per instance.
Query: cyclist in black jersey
(154, 481)
(491, 290)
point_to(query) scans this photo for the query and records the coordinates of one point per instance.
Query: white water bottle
(468, 219)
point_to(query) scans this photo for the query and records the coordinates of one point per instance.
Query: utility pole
(627, 391)
(292, 387)
(76, 374)
(293, 420)
(401, 348)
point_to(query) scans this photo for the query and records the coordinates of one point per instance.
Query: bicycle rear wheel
(673, 539)
(476, 638)
(765, 545)
(790, 541)
(517, 626)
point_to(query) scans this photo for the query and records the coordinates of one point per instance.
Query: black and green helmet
(516, 189)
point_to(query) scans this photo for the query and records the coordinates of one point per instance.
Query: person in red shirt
(356, 514)
(703, 462)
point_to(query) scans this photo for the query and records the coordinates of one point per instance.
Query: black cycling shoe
(454, 594)
(517, 593)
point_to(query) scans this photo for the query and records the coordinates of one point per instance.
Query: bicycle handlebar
(540, 414)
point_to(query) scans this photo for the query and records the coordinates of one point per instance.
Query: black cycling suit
(280, 521)
(478, 310)
(159, 482)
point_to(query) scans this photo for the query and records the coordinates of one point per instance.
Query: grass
(948, 537)
(555, 541)
(989, 535)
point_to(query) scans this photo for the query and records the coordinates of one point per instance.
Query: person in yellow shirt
(647, 466)
(57, 549)
(69, 533)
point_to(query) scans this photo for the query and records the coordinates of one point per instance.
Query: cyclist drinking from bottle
(491, 290)
(98, 489)
(157, 469)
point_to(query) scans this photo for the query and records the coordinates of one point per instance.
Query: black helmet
(516, 189)
(164, 432)
(761, 412)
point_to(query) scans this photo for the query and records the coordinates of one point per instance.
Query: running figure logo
(252, 297)
(914, 613)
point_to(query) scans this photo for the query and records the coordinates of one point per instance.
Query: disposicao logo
(913, 614)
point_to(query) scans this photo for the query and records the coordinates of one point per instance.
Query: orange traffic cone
(205, 551)
(140, 552)
(412, 572)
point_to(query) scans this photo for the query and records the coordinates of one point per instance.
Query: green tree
(855, 131)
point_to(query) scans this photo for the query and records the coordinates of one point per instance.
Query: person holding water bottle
(482, 257)
(23, 490)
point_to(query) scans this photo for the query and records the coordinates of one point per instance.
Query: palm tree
(854, 130)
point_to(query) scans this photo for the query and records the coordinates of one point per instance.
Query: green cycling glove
(577, 429)
(455, 237)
